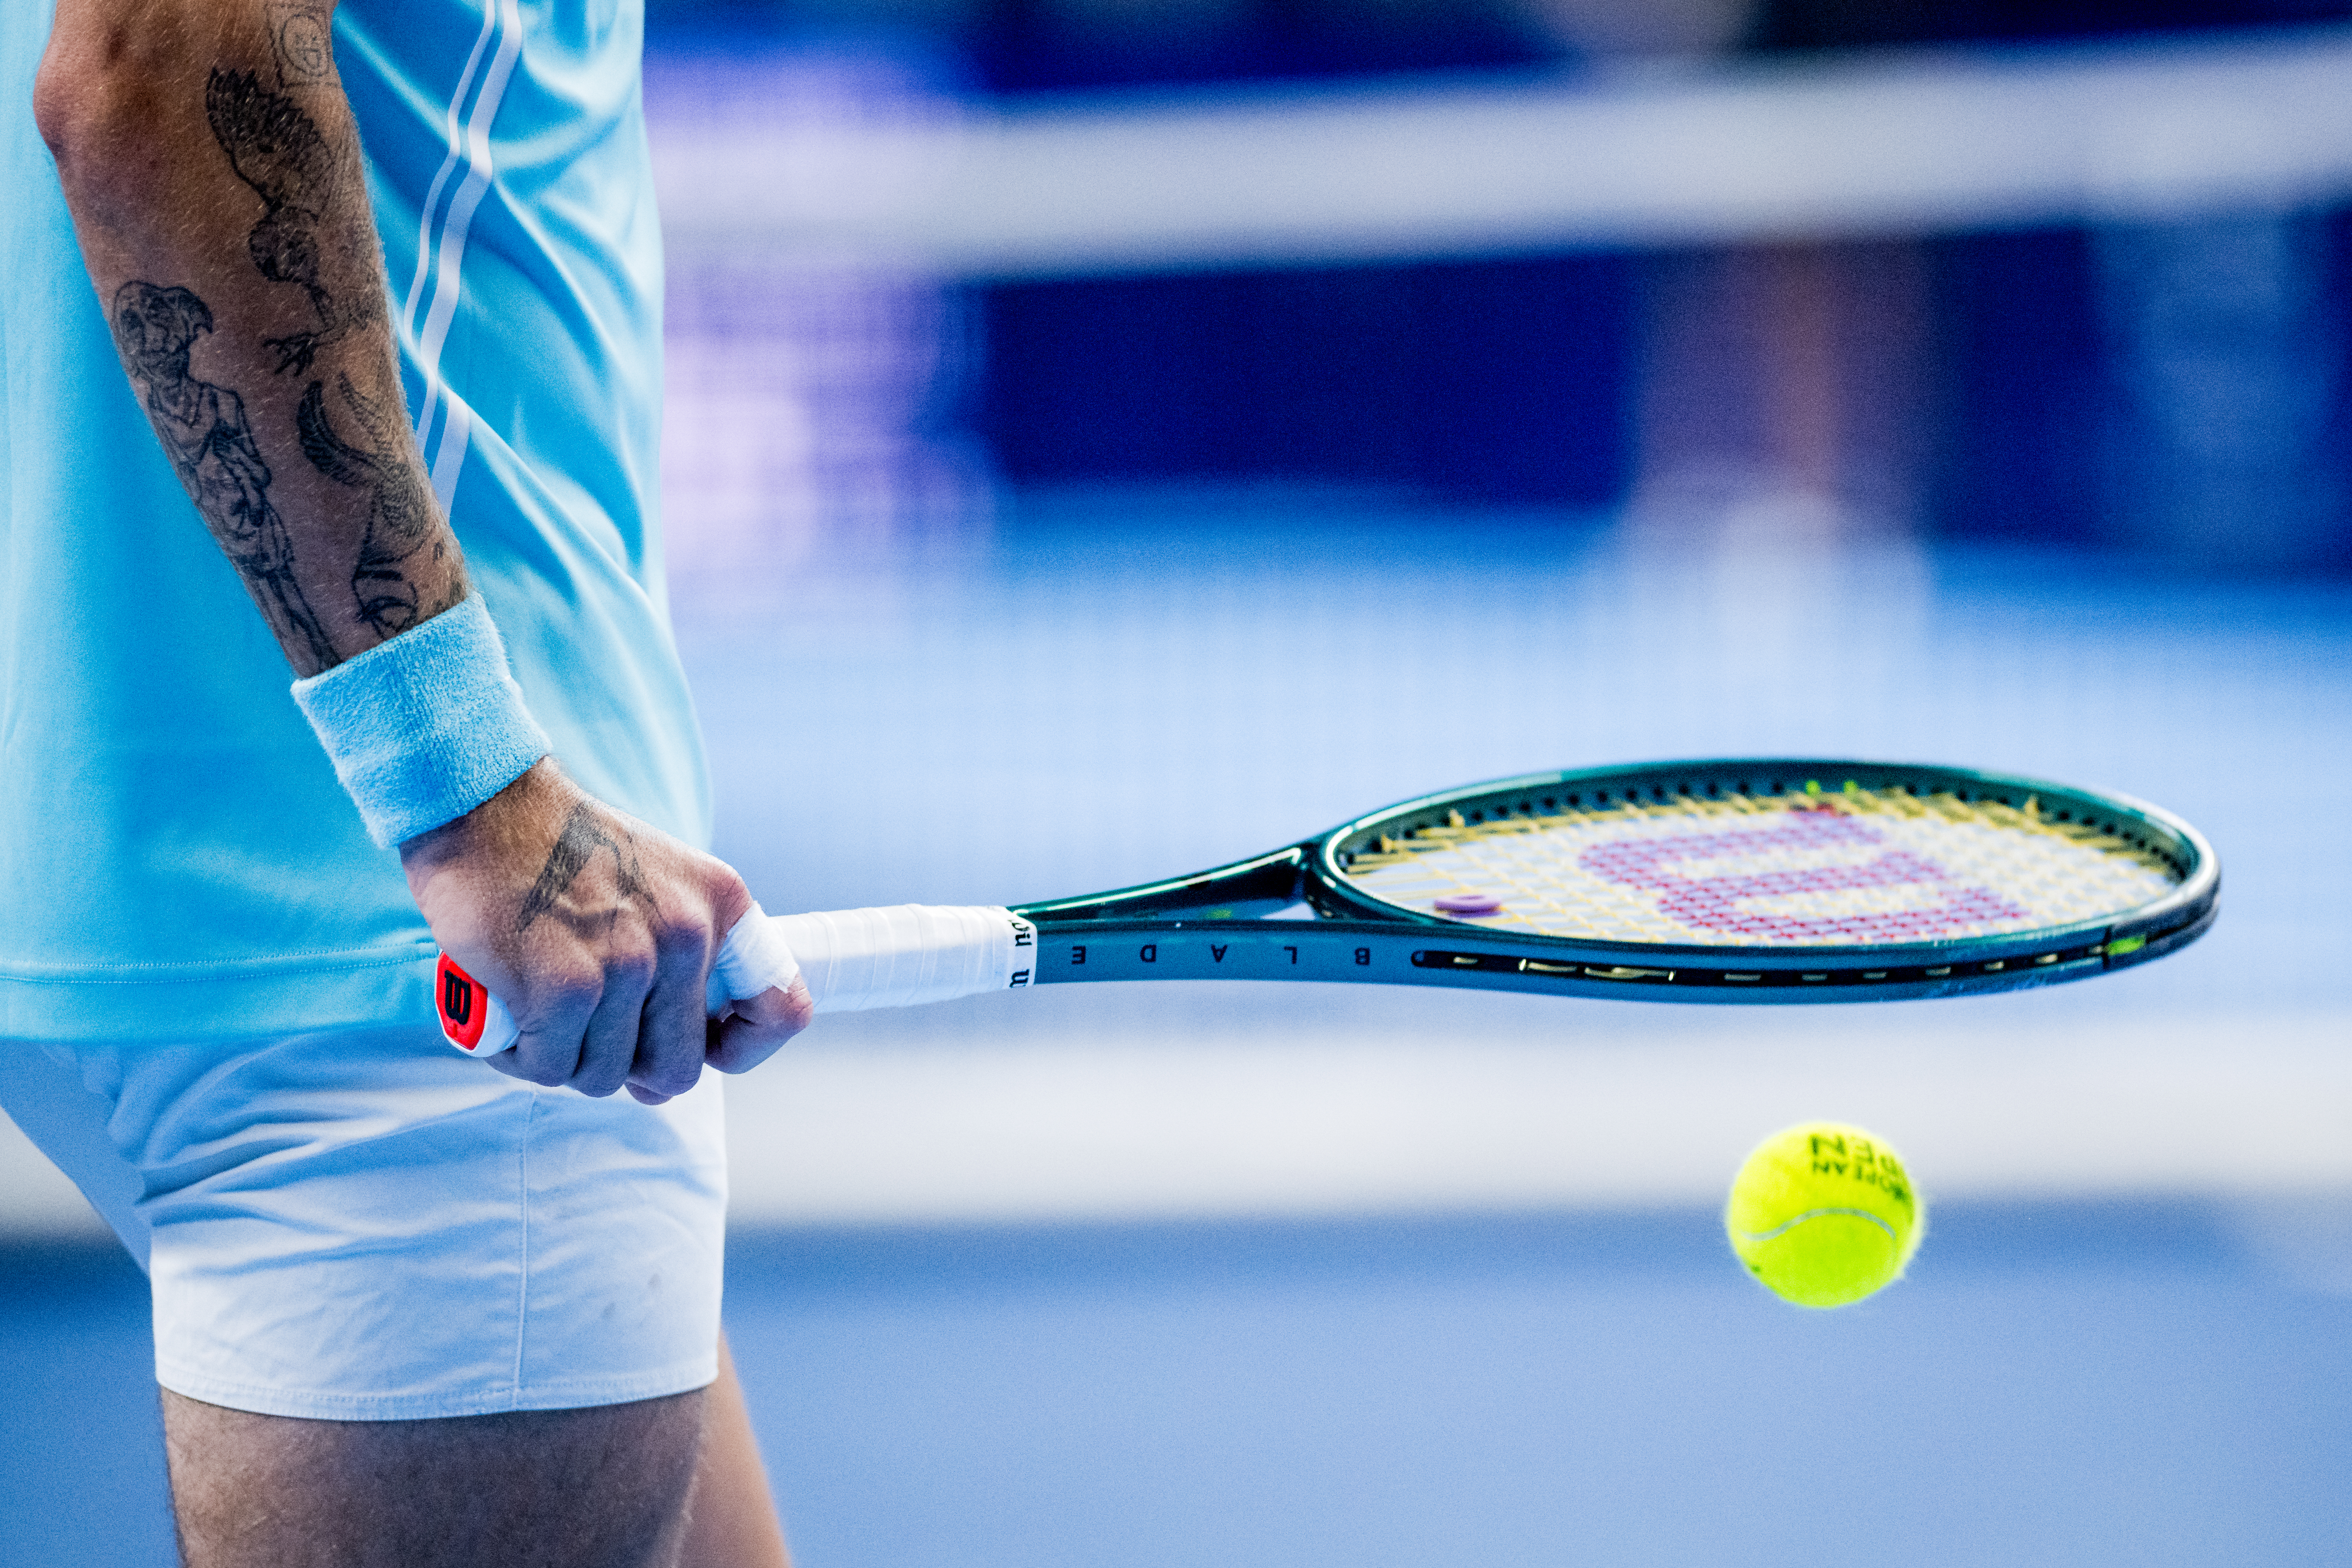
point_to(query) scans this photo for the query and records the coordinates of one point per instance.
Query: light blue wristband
(425, 726)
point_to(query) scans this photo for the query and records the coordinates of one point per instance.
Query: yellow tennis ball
(1824, 1215)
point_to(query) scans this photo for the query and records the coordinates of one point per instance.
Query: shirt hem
(185, 1003)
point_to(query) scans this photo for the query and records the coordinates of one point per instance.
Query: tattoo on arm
(278, 149)
(313, 233)
(205, 435)
(581, 839)
(299, 37)
(401, 514)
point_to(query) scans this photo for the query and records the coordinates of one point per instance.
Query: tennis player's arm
(212, 165)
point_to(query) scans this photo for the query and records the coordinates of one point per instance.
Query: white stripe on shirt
(443, 259)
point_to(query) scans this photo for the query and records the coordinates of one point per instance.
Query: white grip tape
(498, 1031)
(755, 957)
(907, 953)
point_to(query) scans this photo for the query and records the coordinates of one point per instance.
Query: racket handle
(851, 960)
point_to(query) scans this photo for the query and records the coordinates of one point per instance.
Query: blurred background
(1107, 437)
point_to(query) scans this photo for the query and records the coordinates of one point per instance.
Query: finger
(759, 1026)
(548, 1050)
(504, 1062)
(609, 1047)
(671, 1042)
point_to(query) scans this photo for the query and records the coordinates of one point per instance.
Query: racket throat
(1248, 890)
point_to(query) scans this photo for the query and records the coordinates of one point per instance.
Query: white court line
(1889, 143)
(1235, 1101)
(1121, 1103)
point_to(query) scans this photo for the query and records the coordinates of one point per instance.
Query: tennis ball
(1824, 1215)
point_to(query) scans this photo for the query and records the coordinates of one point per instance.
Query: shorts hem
(311, 1405)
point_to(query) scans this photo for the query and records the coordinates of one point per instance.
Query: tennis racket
(1749, 880)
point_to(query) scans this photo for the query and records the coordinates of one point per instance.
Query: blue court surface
(2058, 1384)
(1094, 689)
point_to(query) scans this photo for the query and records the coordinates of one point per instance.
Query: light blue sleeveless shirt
(176, 860)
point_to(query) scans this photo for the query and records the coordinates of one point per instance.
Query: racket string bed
(1855, 866)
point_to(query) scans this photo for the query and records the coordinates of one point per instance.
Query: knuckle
(631, 974)
(728, 896)
(568, 992)
(678, 939)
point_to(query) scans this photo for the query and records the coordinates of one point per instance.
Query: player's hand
(597, 931)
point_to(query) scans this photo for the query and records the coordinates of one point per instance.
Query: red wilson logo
(462, 1013)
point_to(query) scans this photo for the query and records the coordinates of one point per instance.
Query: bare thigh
(599, 1488)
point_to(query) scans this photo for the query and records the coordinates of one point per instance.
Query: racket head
(1841, 880)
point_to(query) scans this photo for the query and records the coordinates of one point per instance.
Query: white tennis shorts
(367, 1226)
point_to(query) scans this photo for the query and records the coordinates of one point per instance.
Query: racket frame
(1213, 925)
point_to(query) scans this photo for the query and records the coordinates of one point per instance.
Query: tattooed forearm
(278, 149)
(580, 842)
(401, 514)
(225, 164)
(205, 435)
